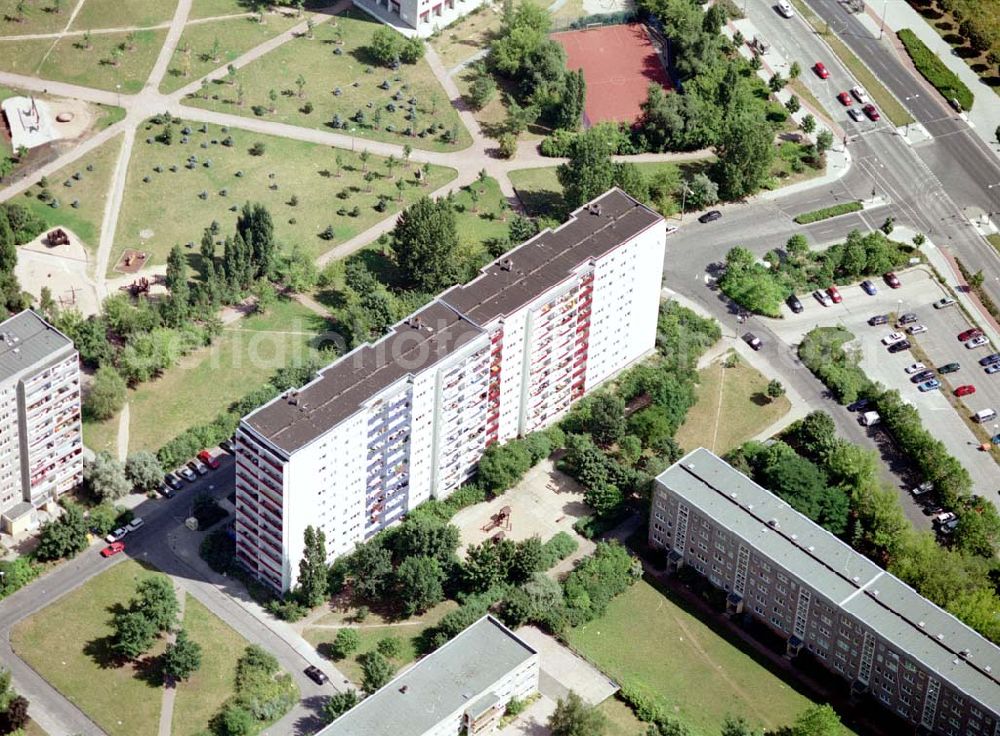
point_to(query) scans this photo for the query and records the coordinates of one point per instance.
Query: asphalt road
(167, 544)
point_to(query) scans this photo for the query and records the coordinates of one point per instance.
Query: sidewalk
(985, 114)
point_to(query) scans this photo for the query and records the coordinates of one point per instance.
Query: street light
(684, 192)
(118, 88)
(881, 28)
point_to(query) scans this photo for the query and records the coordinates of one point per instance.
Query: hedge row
(943, 79)
(827, 212)
(977, 288)
(557, 549)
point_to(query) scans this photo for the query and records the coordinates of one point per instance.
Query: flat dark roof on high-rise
(451, 321)
(27, 340)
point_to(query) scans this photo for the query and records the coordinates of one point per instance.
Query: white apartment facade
(418, 17)
(41, 441)
(406, 419)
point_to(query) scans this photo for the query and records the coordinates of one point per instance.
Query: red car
(892, 279)
(965, 390)
(113, 549)
(845, 99)
(871, 112)
(821, 71)
(206, 457)
(834, 294)
(969, 334)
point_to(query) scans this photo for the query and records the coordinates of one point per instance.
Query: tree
(817, 720)
(794, 70)
(390, 647)
(488, 564)
(482, 91)
(419, 582)
(775, 389)
(345, 643)
(824, 141)
(607, 418)
(589, 171)
(64, 537)
(745, 151)
(737, 727)
(371, 567)
(375, 671)
(300, 84)
(702, 192)
(256, 228)
(107, 393)
(570, 109)
(234, 720)
(605, 498)
(424, 536)
(8, 245)
(336, 705)
(776, 83)
(134, 634)
(312, 568)
(144, 471)
(156, 600)
(793, 105)
(527, 559)
(573, 717)
(385, 46)
(808, 124)
(425, 241)
(15, 716)
(106, 477)
(182, 658)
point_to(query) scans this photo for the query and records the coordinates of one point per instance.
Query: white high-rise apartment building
(41, 441)
(395, 423)
(418, 17)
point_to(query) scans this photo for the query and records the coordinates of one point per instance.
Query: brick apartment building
(817, 593)
(41, 440)
(406, 419)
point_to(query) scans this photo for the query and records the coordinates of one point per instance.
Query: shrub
(561, 546)
(827, 212)
(943, 79)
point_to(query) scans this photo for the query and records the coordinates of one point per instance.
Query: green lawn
(732, 407)
(199, 698)
(467, 36)
(236, 36)
(70, 62)
(408, 636)
(37, 17)
(692, 671)
(169, 206)
(67, 643)
(212, 8)
(358, 80)
(90, 190)
(23, 57)
(621, 720)
(123, 14)
(483, 219)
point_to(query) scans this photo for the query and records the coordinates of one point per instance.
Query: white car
(860, 95)
(942, 517)
(855, 114)
(915, 368)
(916, 329)
(892, 338)
(136, 523)
(199, 467)
(785, 8)
(977, 342)
(187, 474)
(116, 535)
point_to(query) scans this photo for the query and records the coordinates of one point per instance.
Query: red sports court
(619, 63)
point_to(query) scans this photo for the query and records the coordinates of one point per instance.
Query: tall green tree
(376, 671)
(8, 246)
(105, 477)
(744, 152)
(107, 393)
(64, 537)
(255, 226)
(589, 171)
(144, 471)
(134, 634)
(156, 600)
(371, 568)
(570, 109)
(419, 581)
(338, 704)
(573, 717)
(182, 657)
(425, 241)
(312, 568)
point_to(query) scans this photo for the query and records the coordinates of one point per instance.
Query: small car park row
(121, 532)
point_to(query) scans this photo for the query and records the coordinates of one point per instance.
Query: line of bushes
(827, 212)
(943, 79)
(975, 282)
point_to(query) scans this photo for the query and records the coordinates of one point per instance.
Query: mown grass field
(119, 14)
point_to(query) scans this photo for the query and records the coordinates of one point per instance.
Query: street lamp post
(118, 88)
(684, 192)
(881, 28)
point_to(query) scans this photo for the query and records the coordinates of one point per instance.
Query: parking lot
(916, 294)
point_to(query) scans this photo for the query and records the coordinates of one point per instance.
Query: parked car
(948, 527)
(113, 549)
(859, 405)
(117, 534)
(916, 329)
(794, 304)
(898, 347)
(710, 216)
(784, 8)
(942, 516)
(136, 523)
(943, 302)
(931, 385)
(955, 104)
(822, 297)
(922, 376)
(949, 368)
(187, 474)
(752, 340)
(925, 487)
(206, 457)
(834, 294)
(892, 338)
(855, 114)
(198, 466)
(173, 481)
(907, 318)
(872, 112)
(316, 675)
(226, 446)
(166, 491)
(915, 368)
(977, 342)
(966, 389)
(860, 95)
(869, 287)
(845, 99)
(990, 359)
(892, 280)
(992, 368)
(821, 71)
(878, 319)
(969, 334)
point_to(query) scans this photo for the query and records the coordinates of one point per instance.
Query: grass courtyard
(19, 19)
(208, 380)
(732, 407)
(170, 208)
(193, 58)
(345, 84)
(90, 191)
(67, 644)
(118, 14)
(692, 671)
(467, 36)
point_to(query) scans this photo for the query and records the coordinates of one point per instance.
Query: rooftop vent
(795, 536)
(940, 637)
(810, 548)
(921, 624)
(773, 523)
(875, 593)
(404, 689)
(965, 654)
(988, 668)
(414, 322)
(856, 579)
(594, 209)
(507, 264)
